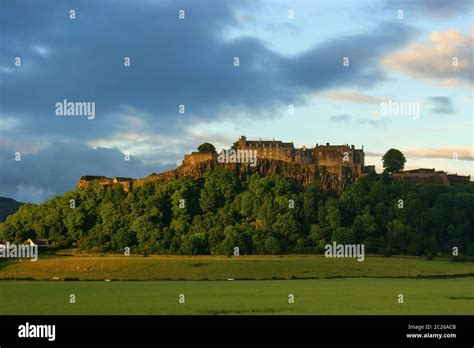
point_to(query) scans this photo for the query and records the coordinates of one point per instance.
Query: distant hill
(8, 206)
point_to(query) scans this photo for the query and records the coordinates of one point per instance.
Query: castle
(332, 158)
(333, 166)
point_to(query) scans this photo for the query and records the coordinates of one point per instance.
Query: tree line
(258, 215)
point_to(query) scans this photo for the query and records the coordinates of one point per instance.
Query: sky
(163, 78)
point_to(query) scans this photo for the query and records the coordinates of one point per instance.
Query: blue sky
(290, 52)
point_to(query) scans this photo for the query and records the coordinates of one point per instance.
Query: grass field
(93, 267)
(258, 285)
(320, 296)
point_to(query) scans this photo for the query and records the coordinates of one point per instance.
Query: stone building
(126, 183)
(431, 176)
(338, 158)
(334, 158)
(195, 157)
(422, 176)
(455, 179)
(104, 182)
(269, 149)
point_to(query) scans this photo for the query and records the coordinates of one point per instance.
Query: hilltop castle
(333, 166)
(334, 158)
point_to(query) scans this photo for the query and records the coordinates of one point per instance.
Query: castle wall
(107, 183)
(431, 177)
(455, 179)
(196, 157)
(332, 155)
(274, 153)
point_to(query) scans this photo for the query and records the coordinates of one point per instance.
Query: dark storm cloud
(55, 169)
(441, 105)
(173, 62)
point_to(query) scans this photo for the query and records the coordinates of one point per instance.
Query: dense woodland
(260, 215)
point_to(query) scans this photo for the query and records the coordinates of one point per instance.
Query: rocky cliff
(327, 177)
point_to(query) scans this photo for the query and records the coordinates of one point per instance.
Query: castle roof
(93, 177)
(268, 143)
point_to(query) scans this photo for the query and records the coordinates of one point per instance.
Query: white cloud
(41, 50)
(348, 96)
(8, 123)
(449, 152)
(446, 59)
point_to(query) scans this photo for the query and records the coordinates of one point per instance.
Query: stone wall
(195, 157)
(455, 179)
(105, 183)
(423, 177)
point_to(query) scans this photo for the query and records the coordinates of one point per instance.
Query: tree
(195, 244)
(206, 147)
(222, 211)
(343, 235)
(393, 161)
(272, 246)
(220, 187)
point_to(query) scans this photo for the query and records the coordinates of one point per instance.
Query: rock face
(302, 173)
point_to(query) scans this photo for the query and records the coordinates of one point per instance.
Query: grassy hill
(8, 206)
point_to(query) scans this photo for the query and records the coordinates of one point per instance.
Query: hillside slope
(8, 206)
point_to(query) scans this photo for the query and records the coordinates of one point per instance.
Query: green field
(237, 285)
(320, 296)
(93, 267)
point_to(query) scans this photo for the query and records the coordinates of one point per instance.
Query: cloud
(347, 119)
(374, 122)
(173, 62)
(446, 59)
(441, 105)
(340, 118)
(440, 9)
(190, 62)
(373, 154)
(450, 152)
(348, 96)
(57, 168)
